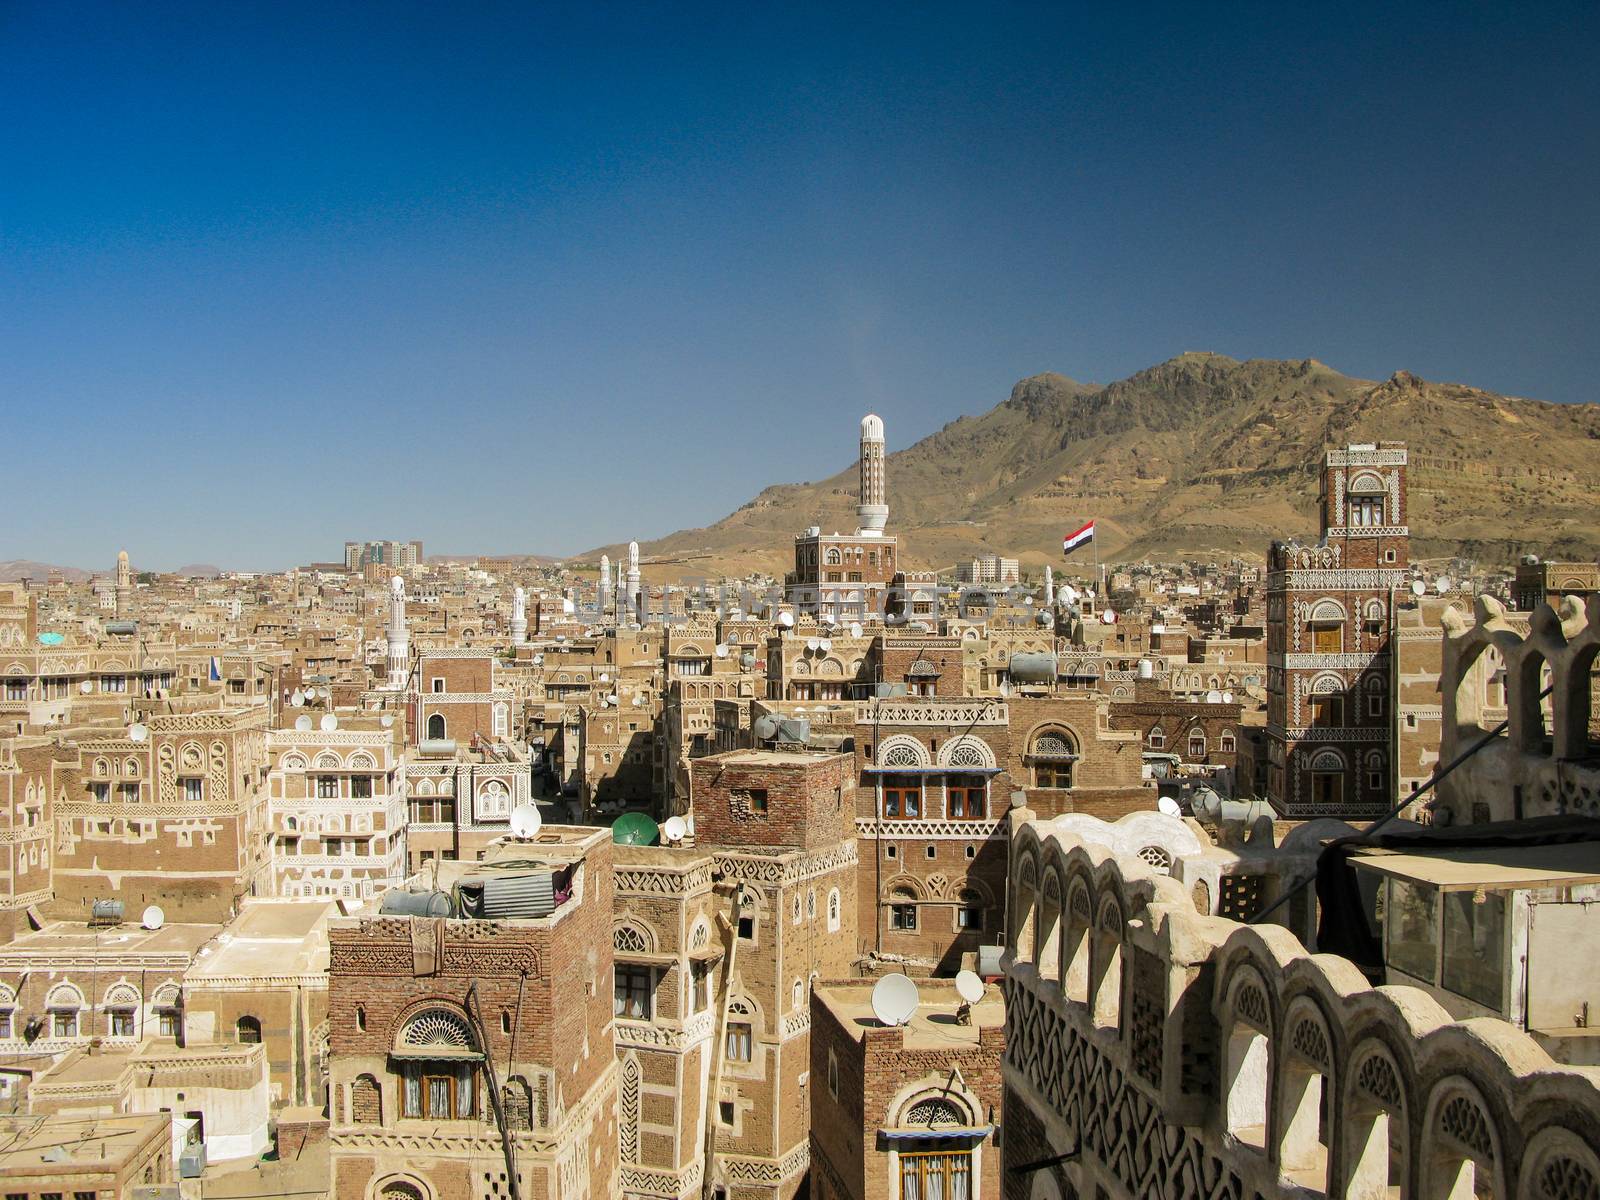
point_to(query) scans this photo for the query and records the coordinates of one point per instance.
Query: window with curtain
(936, 1175)
(739, 1041)
(439, 1091)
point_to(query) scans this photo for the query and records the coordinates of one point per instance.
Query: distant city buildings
(360, 555)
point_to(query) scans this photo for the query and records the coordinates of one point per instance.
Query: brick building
(1330, 679)
(908, 1112)
(462, 1050)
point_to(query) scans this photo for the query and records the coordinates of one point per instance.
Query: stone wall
(1170, 1054)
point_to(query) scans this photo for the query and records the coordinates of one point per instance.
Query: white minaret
(399, 640)
(519, 618)
(1049, 585)
(124, 585)
(605, 586)
(872, 513)
(635, 593)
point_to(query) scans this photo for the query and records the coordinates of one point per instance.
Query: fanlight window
(1053, 745)
(901, 755)
(439, 1029)
(935, 1114)
(631, 940)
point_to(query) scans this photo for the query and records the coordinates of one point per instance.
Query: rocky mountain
(1199, 456)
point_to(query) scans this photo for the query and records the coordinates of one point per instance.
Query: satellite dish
(137, 733)
(86, 687)
(1227, 697)
(1109, 617)
(1442, 584)
(328, 723)
(855, 629)
(604, 677)
(298, 700)
(1213, 697)
(538, 660)
(303, 724)
(153, 917)
(969, 986)
(722, 652)
(1169, 806)
(675, 828)
(1027, 600)
(1418, 588)
(638, 700)
(812, 643)
(766, 728)
(786, 619)
(386, 721)
(826, 644)
(894, 999)
(525, 820)
(1068, 594)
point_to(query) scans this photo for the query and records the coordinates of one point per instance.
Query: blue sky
(516, 278)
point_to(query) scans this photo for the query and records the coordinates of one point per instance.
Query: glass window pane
(1474, 947)
(1411, 929)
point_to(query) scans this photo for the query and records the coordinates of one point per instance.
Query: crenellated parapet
(1190, 1055)
(1498, 668)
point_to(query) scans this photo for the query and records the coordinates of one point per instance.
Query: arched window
(248, 1029)
(1053, 752)
(1197, 743)
(1327, 779)
(1366, 500)
(436, 727)
(1226, 743)
(438, 1058)
(1156, 739)
(833, 910)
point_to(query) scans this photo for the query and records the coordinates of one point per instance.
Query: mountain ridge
(1201, 454)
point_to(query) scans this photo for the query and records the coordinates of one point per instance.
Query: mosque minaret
(519, 618)
(399, 639)
(872, 513)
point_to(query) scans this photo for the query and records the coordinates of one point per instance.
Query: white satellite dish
(298, 699)
(604, 677)
(138, 733)
(675, 828)
(1442, 584)
(525, 820)
(302, 723)
(894, 999)
(812, 643)
(1169, 806)
(1109, 617)
(638, 700)
(1028, 600)
(786, 619)
(855, 629)
(722, 652)
(1213, 697)
(328, 723)
(1227, 697)
(1418, 588)
(86, 687)
(538, 660)
(386, 721)
(688, 824)
(1068, 594)
(153, 917)
(969, 986)
(826, 644)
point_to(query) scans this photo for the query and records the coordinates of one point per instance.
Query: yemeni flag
(1078, 537)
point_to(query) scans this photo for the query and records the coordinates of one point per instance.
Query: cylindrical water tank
(1032, 667)
(415, 904)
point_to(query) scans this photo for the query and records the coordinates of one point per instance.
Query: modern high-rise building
(358, 555)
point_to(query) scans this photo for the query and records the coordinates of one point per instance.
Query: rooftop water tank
(415, 904)
(1032, 667)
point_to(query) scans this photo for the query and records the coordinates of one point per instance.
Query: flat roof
(775, 758)
(931, 1027)
(64, 937)
(55, 1145)
(1498, 867)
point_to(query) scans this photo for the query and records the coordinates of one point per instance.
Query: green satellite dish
(635, 829)
(51, 639)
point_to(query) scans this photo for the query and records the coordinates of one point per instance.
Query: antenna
(525, 821)
(153, 917)
(894, 999)
(675, 828)
(1169, 806)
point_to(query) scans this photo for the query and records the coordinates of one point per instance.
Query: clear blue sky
(514, 278)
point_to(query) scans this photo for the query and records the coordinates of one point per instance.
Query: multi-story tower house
(338, 810)
(173, 812)
(780, 828)
(1330, 679)
(468, 1049)
(843, 577)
